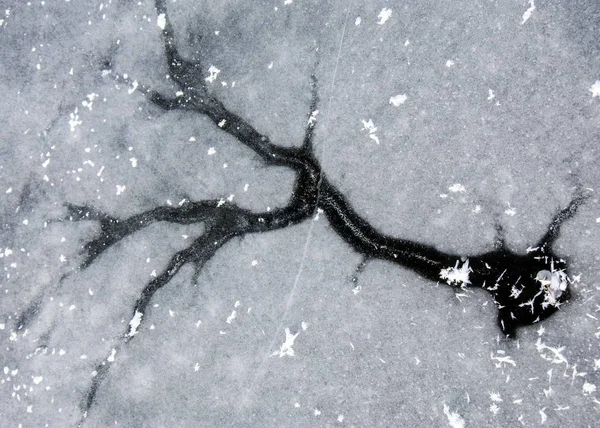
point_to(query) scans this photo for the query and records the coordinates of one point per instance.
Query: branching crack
(534, 274)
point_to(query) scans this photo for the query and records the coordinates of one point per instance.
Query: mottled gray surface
(399, 350)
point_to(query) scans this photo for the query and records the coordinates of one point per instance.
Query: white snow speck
(211, 151)
(528, 12)
(454, 419)
(357, 21)
(286, 348)
(133, 162)
(37, 379)
(135, 323)
(214, 72)
(491, 95)
(543, 415)
(222, 123)
(120, 189)
(286, 2)
(595, 89)
(396, 100)
(450, 63)
(510, 211)
(457, 188)
(161, 21)
(304, 325)
(384, 15)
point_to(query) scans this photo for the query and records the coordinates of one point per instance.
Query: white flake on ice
(74, 121)
(595, 90)
(286, 347)
(384, 15)
(120, 189)
(370, 127)
(555, 356)
(450, 63)
(135, 323)
(357, 21)
(503, 361)
(528, 12)
(161, 21)
(134, 86)
(111, 357)
(454, 419)
(313, 118)
(231, 317)
(37, 379)
(588, 388)
(211, 151)
(214, 72)
(399, 99)
(457, 188)
(457, 275)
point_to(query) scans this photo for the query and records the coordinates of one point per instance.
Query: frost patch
(454, 419)
(135, 323)
(399, 99)
(285, 350)
(457, 275)
(161, 21)
(384, 15)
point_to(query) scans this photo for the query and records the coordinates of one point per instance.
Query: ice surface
(437, 120)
